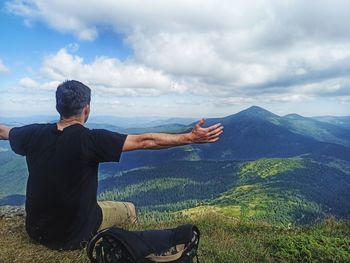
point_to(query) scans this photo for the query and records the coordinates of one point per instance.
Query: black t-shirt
(61, 201)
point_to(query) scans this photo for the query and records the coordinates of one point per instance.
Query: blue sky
(177, 58)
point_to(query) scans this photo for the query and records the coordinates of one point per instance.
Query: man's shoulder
(31, 127)
(44, 125)
(38, 125)
(22, 137)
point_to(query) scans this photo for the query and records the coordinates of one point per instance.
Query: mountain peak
(253, 112)
(256, 111)
(256, 108)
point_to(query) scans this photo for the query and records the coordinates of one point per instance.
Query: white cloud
(105, 75)
(30, 83)
(27, 82)
(235, 101)
(240, 51)
(269, 98)
(31, 101)
(344, 100)
(58, 14)
(3, 68)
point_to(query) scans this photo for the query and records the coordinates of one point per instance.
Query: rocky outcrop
(7, 211)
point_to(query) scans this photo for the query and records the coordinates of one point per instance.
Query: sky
(183, 58)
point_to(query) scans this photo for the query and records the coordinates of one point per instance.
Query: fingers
(216, 131)
(201, 122)
(209, 129)
(216, 135)
(210, 141)
(214, 140)
(215, 126)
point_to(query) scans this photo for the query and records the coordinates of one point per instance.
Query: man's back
(63, 161)
(61, 200)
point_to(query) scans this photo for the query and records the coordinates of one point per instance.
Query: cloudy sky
(197, 58)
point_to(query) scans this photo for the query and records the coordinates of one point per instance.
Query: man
(63, 158)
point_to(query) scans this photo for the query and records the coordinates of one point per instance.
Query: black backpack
(116, 245)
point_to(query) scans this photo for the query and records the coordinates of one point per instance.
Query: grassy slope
(267, 167)
(279, 190)
(286, 191)
(223, 240)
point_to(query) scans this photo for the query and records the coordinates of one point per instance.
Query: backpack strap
(136, 247)
(185, 240)
(184, 233)
(92, 245)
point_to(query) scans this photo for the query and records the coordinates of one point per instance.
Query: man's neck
(63, 123)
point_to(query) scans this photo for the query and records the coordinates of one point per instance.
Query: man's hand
(4, 132)
(206, 135)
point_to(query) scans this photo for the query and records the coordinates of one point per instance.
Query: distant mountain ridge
(306, 126)
(254, 133)
(339, 121)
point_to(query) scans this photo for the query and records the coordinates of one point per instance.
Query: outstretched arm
(165, 140)
(4, 132)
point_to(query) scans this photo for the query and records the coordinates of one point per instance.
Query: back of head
(71, 97)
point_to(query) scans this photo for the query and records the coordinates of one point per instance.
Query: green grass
(327, 242)
(261, 201)
(267, 167)
(223, 240)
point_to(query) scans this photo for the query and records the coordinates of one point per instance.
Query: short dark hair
(71, 97)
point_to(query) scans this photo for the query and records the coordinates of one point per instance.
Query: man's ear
(86, 111)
